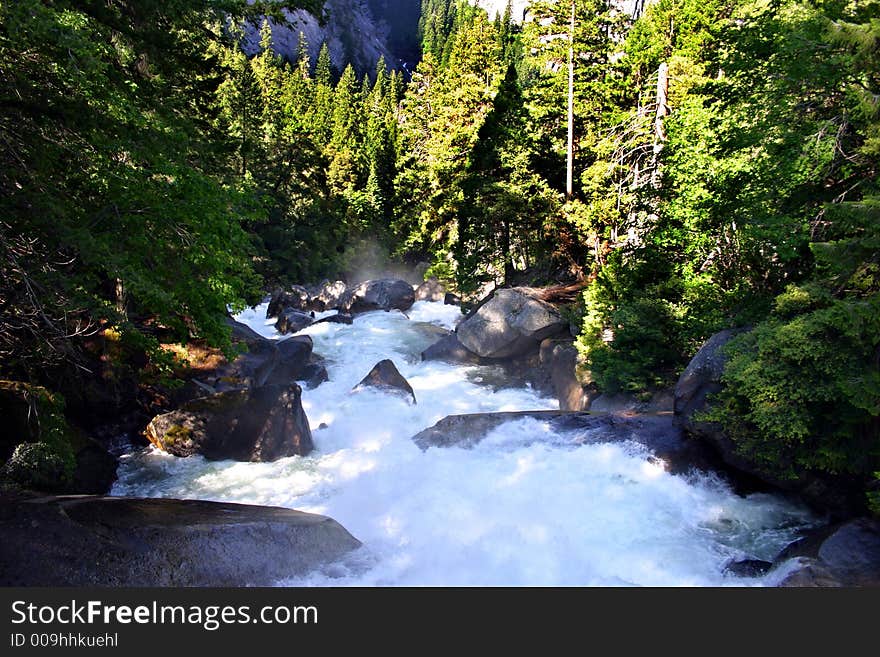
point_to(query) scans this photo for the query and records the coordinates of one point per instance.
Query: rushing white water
(524, 507)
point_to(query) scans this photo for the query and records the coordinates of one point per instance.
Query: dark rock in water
(292, 321)
(656, 432)
(315, 374)
(450, 350)
(95, 470)
(258, 424)
(380, 294)
(385, 376)
(430, 290)
(810, 574)
(747, 568)
(513, 322)
(847, 554)
(451, 299)
(297, 297)
(244, 333)
(338, 318)
(113, 542)
(328, 296)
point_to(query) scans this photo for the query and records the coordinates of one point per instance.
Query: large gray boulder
(385, 376)
(846, 554)
(113, 541)
(292, 321)
(514, 321)
(379, 294)
(251, 424)
(656, 432)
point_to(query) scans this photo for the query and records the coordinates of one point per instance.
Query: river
(525, 507)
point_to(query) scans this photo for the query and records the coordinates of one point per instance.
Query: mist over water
(525, 507)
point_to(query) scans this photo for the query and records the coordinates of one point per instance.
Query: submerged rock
(450, 350)
(253, 424)
(846, 554)
(379, 294)
(338, 318)
(513, 322)
(297, 298)
(293, 321)
(113, 541)
(385, 376)
(656, 432)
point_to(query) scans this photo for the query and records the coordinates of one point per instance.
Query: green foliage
(40, 466)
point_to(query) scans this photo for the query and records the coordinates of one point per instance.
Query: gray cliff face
(357, 32)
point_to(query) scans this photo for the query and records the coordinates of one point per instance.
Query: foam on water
(524, 507)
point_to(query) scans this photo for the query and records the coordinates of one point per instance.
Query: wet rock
(297, 298)
(328, 296)
(293, 321)
(244, 333)
(95, 470)
(255, 424)
(847, 554)
(385, 376)
(113, 541)
(338, 318)
(450, 350)
(430, 290)
(656, 432)
(379, 294)
(748, 568)
(451, 299)
(513, 322)
(659, 402)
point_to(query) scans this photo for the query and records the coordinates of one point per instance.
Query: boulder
(451, 299)
(836, 495)
(328, 296)
(253, 424)
(379, 294)
(513, 322)
(385, 376)
(243, 333)
(297, 297)
(701, 378)
(338, 318)
(846, 554)
(450, 350)
(430, 290)
(292, 321)
(659, 402)
(748, 568)
(656, 432)
(95, 470)
(116, 542)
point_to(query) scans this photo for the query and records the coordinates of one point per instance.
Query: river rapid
(525, 507)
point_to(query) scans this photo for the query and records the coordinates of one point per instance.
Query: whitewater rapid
(523, 508)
